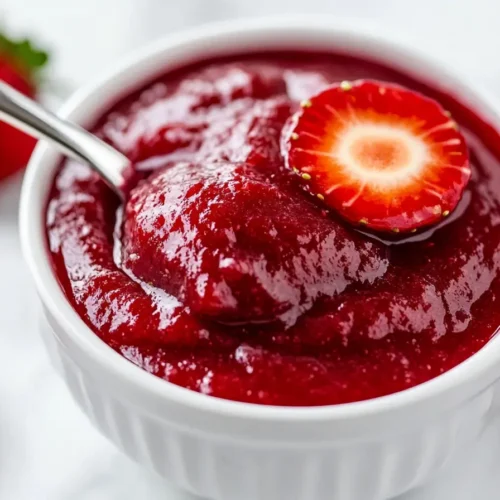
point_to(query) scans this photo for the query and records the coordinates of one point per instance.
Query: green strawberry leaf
(23, 54)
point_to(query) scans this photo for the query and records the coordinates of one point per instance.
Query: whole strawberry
(20, 64)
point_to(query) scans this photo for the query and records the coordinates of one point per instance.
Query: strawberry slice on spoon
(380, 155)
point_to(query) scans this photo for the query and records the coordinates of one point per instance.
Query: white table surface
(48, 451)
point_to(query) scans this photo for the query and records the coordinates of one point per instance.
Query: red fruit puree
(223, 276)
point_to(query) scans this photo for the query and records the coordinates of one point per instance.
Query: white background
(47, 449)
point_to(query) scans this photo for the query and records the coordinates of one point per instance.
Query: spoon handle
(23, 113)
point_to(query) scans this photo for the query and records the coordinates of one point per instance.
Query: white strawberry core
(381, 154)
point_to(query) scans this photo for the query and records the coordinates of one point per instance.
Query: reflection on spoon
(21, 112)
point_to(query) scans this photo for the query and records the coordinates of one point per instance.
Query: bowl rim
(439, 394)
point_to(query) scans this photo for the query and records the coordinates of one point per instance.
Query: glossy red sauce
(221, 275)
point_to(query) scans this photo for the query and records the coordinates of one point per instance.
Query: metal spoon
(23, 113)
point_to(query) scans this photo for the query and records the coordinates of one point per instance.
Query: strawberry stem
(23, 54)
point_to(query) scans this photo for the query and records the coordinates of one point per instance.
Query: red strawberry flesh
(380, 155)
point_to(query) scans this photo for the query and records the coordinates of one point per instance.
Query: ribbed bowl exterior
(227, 469)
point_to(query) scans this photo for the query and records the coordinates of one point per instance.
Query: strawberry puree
(222, 275)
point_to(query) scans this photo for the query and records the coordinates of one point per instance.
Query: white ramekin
(234, 451)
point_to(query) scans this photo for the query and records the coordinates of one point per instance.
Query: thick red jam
(222, 275)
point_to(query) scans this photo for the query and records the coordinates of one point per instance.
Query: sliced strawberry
(379, 154)
(19, 66)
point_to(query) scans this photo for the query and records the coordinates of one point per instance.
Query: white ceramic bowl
(234, 451)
